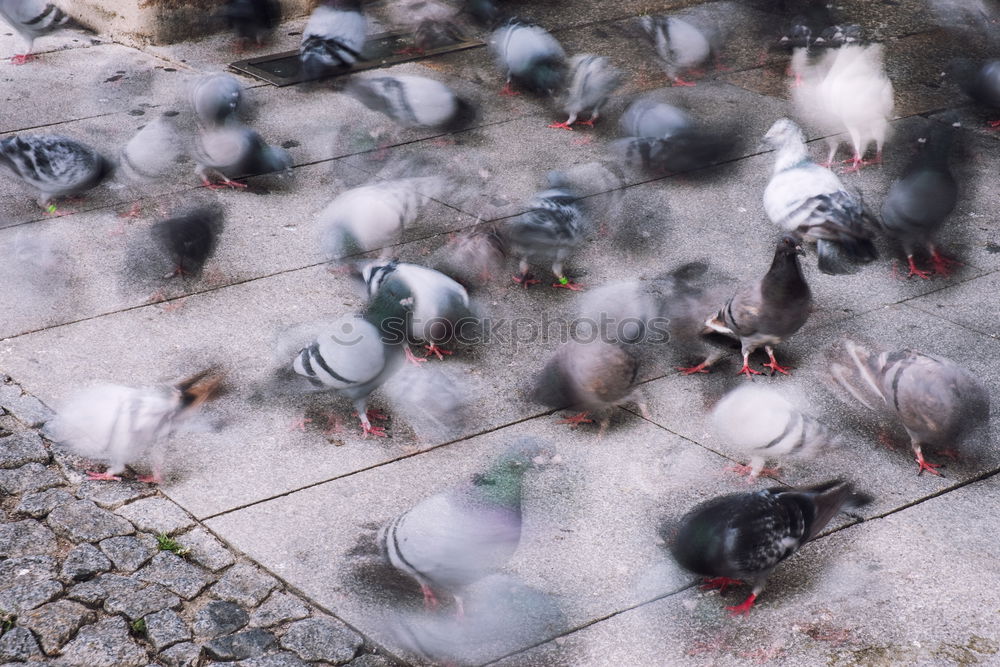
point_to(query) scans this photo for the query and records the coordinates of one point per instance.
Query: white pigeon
(679, 45)
(32, 19)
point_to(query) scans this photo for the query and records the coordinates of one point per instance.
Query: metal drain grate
(284, 69)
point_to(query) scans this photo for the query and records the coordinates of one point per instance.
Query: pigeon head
(783, 133)
(200, 387)
(790, 244)
(502, 481)
(373, 273)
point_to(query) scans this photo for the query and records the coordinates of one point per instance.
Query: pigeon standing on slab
(216, 99)
(980, 81)
(762, 313)
(189, 238)
(413, 101)
(32, 19)
(153, 152)
(531, 58)
(433, 23)
(809, 200)
(679, 45)
(56, 166)
(592, 79)
(473, 256)
(464, 534)
(333, 37)
(236, 151)
(252, 21)
(122, 424)
(943, 407)
(919, 201)
(741, 538)
(765, 424)
(652, 119)
(547, 233)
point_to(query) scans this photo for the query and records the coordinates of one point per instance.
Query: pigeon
(252, 21)
(548, 232)
(807, 199)
(333, 37)
(764, 423)
(741, 537)
(420, 303)
(434, 403)
(433, 23)
(153, 152)
(235, 152)
(123, 424)
(372, 217)
(189, 239)
(651, 119)
(352, 357)
(531, 57)
(679, 45)
(763, 313)
(922, 198)
(56, 166)
(687, 148)
(980, 81)
(942, 406)
(457, 537)
(589, 377)
(413, 101)
(472, 256)
(484, 12)
(32, 19)
(592, 79)
(216, 98)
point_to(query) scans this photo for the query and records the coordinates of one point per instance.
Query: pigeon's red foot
(375, 431)
(995, 124)
(949, 453)
(913, 271)
(134, 212)
(102, 476)
(925, 465)
(743, 608)
(507, 91)
(21, 59)
(722, 583)
(561, 126)
(223, 184)
(776, 367)
(300, 424)
(589, 122)
(375, 414)
(749, 372)
(942, 264)
(576, 420)
(566, 284)
(150, 479)
(857, 163)
(437, 351)
(691, 370)
(526, 280)
(430, 600)
(412, 358)
(334, 425)
(743, 470)
(679, 81)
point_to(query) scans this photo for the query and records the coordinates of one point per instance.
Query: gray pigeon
(55, 166)
(122, 424)
(462, 535)
(32, 19)
(413, 101)
(743, 536)
(548, 232)
(942, 406)
(433, 23)
(235, 152)
(252, 20)
(763, 313)
(980, 81)
(216, 99)
(806, 199)
(922, 198)
(765, 424)
(592, 79)
(153, 152)
(333, 37)
(679, 45)
(472, 257)
(530, 57)
(652, 119)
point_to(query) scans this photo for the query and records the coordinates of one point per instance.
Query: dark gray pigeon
(530, 57)
(252, 21)
(922, 198)
(679, 45)
(741, 538)
(762, 313)
(806, 199)
(592, 79)
(547, 233)
(216, 99)
(189, 238)
(980, 81)
(236, 151)
(56, 166)
(333, 37)
(462, 535)
(413, 101)
(33, 19)
(942, 406)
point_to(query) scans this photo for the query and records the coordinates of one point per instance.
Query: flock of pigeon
(454, 539)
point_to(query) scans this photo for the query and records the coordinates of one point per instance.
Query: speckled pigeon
(592, 79)
(56, 166)
(413, 101)
(530, 57)
(333, 37)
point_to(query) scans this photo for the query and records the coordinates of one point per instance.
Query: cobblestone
(83, 521)
(176, 574)
(25, 407)
(279, 608)
(26, 537)
(28, 478)
(104, 644)
(322, 639)
(181, 655)
(19, 645)
(156, 515)
(206, 550)
(83, 562)
(166, 628)
(244, 584)
(134, 598)
(282, 659)
(112, 496)
(130, 552)
(38, 505)
(20, 448)
(240, 646)
(219, 618)
(55, 623)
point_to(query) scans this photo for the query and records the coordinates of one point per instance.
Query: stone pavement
(278, 520)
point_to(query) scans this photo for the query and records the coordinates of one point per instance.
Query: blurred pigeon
(413, 101)
(531, 57)
(590, 377)
(352, 357)
(980, 81)
(922, 198)
(433, 23)
(942, 406)
(686, 148)
(154, 151)
(548, 232)
(742, 537)
(216, 99)
(472, 256)
(679, 45)
(809, 200)
(124, 424)
(838, 35)
(189, 238)
(236, 152)
(483, 12)
(423, 304)
(592, 79)
(652, 119)
(32, 19)
(333, 37)
(763, 313)
(252, 21)
(436, 404)
(464, 534)
(56, 166)
(765, 424)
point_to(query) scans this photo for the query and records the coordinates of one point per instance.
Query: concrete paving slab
(964, 305)
(864, 595)
(11, 43)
